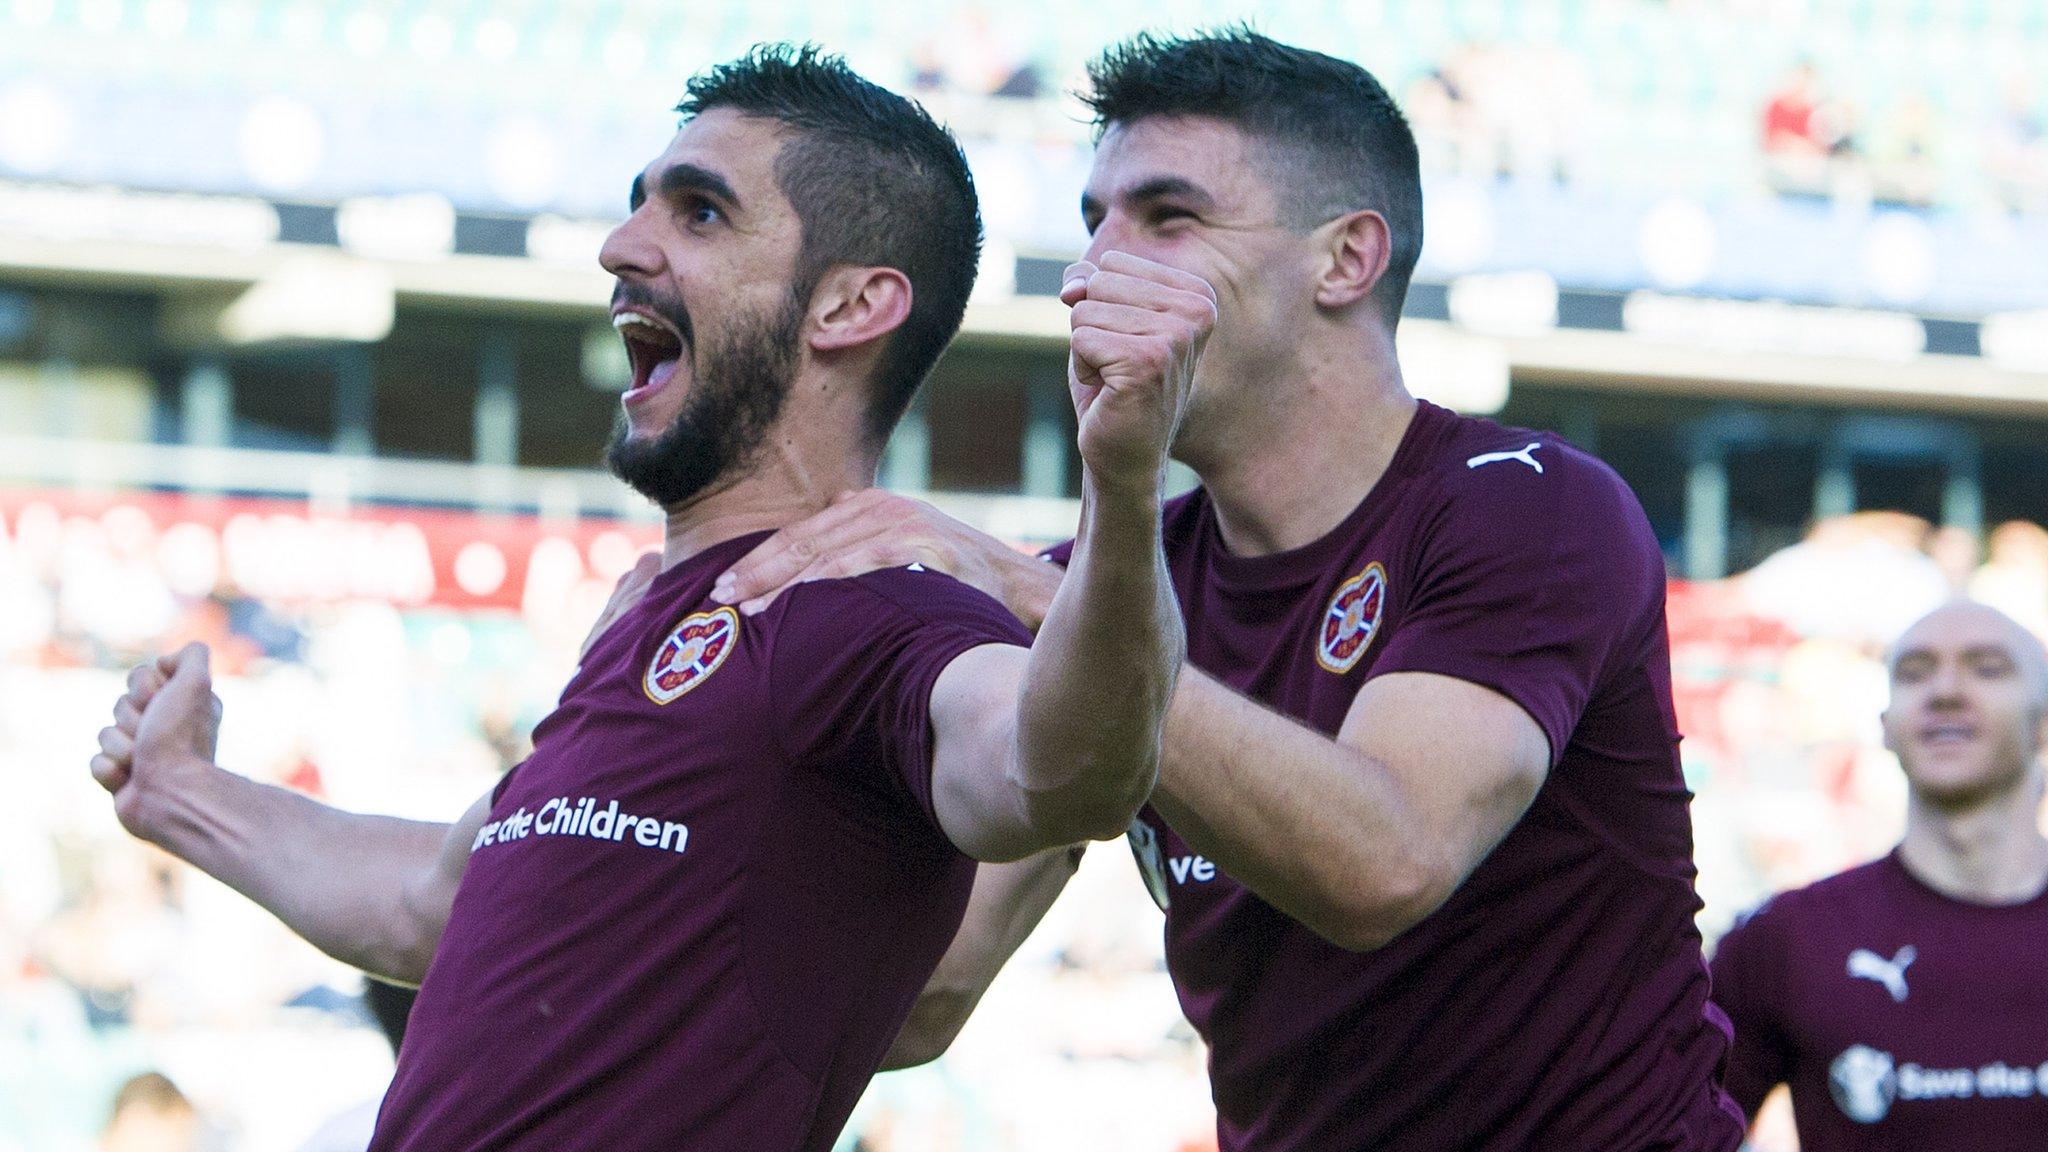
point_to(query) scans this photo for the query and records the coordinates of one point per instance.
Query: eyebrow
(1153, 188)
(679, 178)
(1971, 652)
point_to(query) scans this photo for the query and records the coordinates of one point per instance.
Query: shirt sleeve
(1531, 584)
(1748, 974)
(854, 663)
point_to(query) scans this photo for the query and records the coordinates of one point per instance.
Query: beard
(737, 389)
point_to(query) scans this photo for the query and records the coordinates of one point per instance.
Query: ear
(1359, 249)
(855, 306)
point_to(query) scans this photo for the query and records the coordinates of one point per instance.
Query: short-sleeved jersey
(703, 907)
(1903, 1019)
(1558, 999)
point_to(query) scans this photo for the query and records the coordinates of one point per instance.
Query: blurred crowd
(1780, 679)
(143, 1005)
(118, 961)
(1817, 141)
(1532, 109)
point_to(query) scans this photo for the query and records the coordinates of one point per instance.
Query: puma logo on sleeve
(1524, 455)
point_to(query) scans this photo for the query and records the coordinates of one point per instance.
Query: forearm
(1008, 902)
(350, 884)
(1317, 829)
(1100, 675)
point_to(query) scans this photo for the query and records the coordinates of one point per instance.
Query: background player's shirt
(1904, 1020)
(1558, 1000)
(704, 906)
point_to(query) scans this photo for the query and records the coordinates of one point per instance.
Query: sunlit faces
(1968, 690)
(705, 305)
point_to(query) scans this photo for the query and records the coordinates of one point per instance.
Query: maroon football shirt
(702, 909)
(1558, 1000)
(1903, 1019)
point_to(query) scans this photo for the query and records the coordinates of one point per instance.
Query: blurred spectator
(1500, 111)
(2016, 149)
(1954, 550)
(1809, 141)
(151, 1115)
(123, 930)
(1908, 170)
(1792, 117)
(970, 55)
(350, 1129)
(927, 68)
(1860, 578)
(1449, 132)
(2014, 579)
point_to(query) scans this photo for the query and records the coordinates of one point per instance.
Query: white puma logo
(1891, 973)
(1496, 457)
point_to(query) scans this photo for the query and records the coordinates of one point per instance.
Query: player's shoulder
(1865, 883)
(1471, 455)
(1829, 897)
(910, 596)
(1525, 491)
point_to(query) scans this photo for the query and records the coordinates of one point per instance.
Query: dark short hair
(1339, 141)
(875, 182)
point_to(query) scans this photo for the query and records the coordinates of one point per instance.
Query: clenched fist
(163, 736)
(1138, 329)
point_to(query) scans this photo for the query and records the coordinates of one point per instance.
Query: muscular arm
(372, 891)
(1360, 837)
(1073, 723)
(1008, 902)
(1043, 747)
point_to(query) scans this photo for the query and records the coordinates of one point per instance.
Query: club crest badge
(1353, 620)
(691, 654)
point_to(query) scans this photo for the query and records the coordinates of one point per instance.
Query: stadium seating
(1653, 92)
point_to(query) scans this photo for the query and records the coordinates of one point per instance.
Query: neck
(778, 489)
(1988, 853)
(1303, 443)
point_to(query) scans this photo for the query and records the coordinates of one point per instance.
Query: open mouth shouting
(654, 345)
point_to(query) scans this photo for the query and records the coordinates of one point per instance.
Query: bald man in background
(1903, 1001)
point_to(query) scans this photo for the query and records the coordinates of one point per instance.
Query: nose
(1945, 687)
(1114, 234)
(629, 251)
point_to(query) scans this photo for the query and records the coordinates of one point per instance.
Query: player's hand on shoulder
(165, 730)
(631, 589)
(872, 529)
(1138, 331)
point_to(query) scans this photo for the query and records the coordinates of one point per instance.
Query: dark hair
(875, 181)
(1340, 143)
